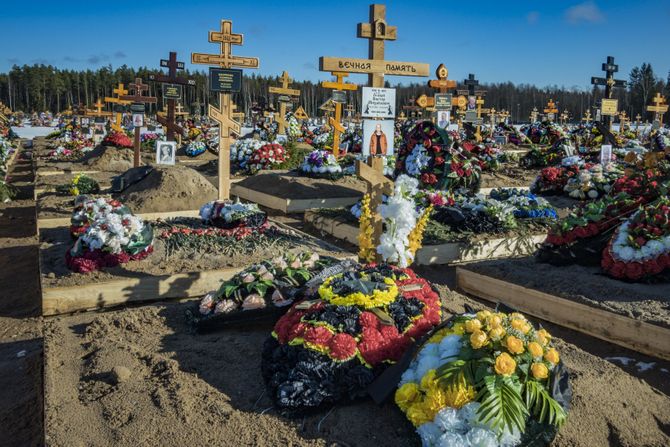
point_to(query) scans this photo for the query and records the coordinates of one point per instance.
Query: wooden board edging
(287, 205)
(56, 222)
(624, 331)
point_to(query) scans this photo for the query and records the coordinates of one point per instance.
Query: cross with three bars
(550, 110)
(138, 98)
(284, 99)
(224, 114)
(172, 81)
(338, 128)
(609, 82)
(98, 110)
(118, 115)
(659, 108)
(441, 84)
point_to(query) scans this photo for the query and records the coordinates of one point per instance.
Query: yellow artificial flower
(497, 333)
(415, 237)
(366, 249)
(517, 315)
(74, 191)
(458, 329)
(514, 345)
(434, 401)
(459, 394)
(544, 335)
(482, 315)
(417, 414)
(520, 325)
(505, 364)
(539, 370)
(494, 321)
(535, 349)
(473, 325)
(478, 339)
(406, 395)
(378, 298)
(552, 356)
(428, 381)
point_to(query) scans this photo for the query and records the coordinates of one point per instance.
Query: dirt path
(21, 342)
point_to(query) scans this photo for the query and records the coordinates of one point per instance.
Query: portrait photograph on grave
(443, 118)
(166, 152)
(378, 137)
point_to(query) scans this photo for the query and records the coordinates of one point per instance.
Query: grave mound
(169, 188)
(108, 158)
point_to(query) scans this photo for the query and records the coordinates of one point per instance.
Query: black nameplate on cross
(608, 81)
(172, 64)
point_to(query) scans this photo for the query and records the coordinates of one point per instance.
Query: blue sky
(537, 42)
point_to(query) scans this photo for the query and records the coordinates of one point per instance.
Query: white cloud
(584, 12)
(532, 17)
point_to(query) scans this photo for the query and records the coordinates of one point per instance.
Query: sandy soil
(295, 186)
(509, 175)
(55, 243)
(645, 302)
(169, 188)
(187, 389)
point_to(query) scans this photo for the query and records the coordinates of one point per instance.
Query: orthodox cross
(98, 110)
(609, 82)
(179, 110)
(442, 84)
(224, 114)
(638, 119)
(138, 99)
(118, 109)
(338, 128)
(492, 117)
(659, 108)
(285, 98)
(623, 119)
(533, 115)
(172, 64)
(550, 110)
(479, 102)
(377, 31)
(504, 114)
(587, 117)
(564, 116)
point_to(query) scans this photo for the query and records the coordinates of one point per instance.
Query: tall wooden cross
(98, 112)
(659, 108)
(224, 114)
(118, 116)
(503, 115)
(479, 102)
(492, 117)
(172, 64)
(638, 119)
(609, 82)
(587, 117)
(285, 98)
(338, 128)
(533, 115)
(550, 110)
(138, 98)
(377, 31)
(564, 116)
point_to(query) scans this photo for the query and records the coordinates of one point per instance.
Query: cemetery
(244, 248)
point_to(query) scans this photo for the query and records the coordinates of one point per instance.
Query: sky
(544, 43)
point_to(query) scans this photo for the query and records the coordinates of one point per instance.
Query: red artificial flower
(342, 346)
(653, 267)
(439, 161)
(368, 320)
(581, 232)
(634, 270)
(318, 335)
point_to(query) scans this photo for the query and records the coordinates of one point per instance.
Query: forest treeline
(43, 87)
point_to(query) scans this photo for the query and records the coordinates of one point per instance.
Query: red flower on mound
(118, 139)
(91, 261)
(342, 346)
(318, 335)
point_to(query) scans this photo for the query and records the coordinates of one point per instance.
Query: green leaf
(542, 405)
(457, 371)
(228, 289)
(501, 404)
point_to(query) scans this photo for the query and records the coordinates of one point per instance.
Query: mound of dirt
(169, 188)
(108, 158)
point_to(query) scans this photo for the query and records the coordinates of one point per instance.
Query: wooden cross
(533, 115)
(350, 111)
(492, 117)
(98, 110)
(638, 119)
(336, 124)
(587, 117)
(284, 90)
(118, 116)
(237, 116)
(169, 122)
(138, 98)
(504, 114)
(402, 118)
(269, 116)
(609, 82)
(179, 110)
(550, 110)
(623, 119)
(377, 31)
(479, 102)
(378, 185)
(223, 114)
(442, 84)
(564, 116)
(659, 108)
(471, 83)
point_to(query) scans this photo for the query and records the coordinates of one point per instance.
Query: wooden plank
(287, 205)
(372, 66)
(448, 253)
(61, 172)
(65, 221)
(58, 300)
(634, 334)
